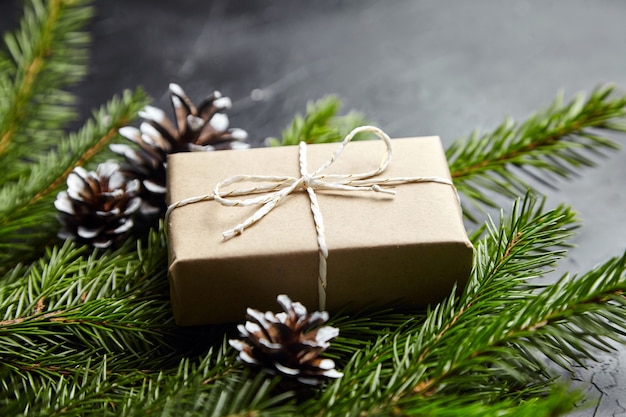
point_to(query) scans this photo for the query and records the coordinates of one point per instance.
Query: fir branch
(569, 319)
(26, 207)
(557, 402)
(576, 314)
(521, 249)
(70, 309)
(320, 124)
(513, 254)
(207, 386)
(48, 54)
(460, 346)
(237, 394)
(556, 141)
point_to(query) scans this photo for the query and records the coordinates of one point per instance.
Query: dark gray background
(413, 67)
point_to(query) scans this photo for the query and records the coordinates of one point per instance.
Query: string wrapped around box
(278, 188)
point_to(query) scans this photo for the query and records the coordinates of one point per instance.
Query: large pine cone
(288, 343)
(98, 207)
(202, 128)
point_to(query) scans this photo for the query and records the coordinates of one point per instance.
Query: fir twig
(26, 207)
(320, 124)
(557, 140)
(47, 54)
(69, 304)
(485, 345)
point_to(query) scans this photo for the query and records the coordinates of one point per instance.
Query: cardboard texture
(409, 248)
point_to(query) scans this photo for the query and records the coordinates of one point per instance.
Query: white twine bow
(277, 188)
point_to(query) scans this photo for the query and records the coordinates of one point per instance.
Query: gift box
(408, 249)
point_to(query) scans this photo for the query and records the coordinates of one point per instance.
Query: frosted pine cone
(98, 207)
(202, 128)
(288, 343)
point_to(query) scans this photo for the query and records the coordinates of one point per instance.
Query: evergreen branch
(209, 386)
(92, 389)
(576, 314)
(422, 357)
(109, 310)
(553, 141)
(320, 124)
(515, 252)
(70, 309)
(26, 207)
(522, 249)
(565, 321)
(556, 402)
(237, 395)
(74, 150)
(48, 54)
(367, 326)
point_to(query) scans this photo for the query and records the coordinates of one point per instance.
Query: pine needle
(320, 124)
(556, 141)
(27, 214)
(46, 55)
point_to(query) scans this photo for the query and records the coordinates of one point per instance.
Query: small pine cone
(287, 343)
(98, 207)
(202, 128)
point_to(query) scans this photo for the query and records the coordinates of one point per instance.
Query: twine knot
(307, 181)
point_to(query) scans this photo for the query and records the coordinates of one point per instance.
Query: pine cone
(201, 128)
(286, 343)
(98, 207)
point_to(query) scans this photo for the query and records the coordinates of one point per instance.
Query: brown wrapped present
(409, 248)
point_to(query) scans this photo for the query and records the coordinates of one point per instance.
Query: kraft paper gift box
(408, 249)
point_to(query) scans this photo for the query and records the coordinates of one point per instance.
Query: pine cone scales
(288, 343)
(98, 207)
(202, 128)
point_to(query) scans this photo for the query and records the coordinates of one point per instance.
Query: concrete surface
(414, 67)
